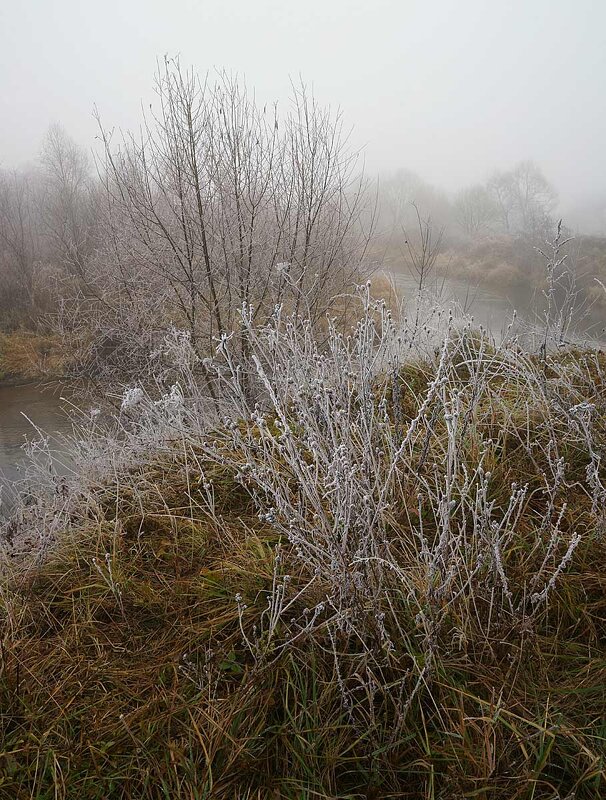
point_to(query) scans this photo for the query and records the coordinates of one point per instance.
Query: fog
(302, 399)
(451, 90)
(262, 154)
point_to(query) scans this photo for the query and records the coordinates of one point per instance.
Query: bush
(375, 570)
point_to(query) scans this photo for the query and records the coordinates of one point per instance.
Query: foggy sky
(449, 88)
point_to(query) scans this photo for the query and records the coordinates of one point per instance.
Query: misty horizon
(452, 93)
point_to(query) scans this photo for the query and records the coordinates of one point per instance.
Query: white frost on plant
(172, 403)
(132, 397)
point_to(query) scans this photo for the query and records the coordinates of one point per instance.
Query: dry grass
(25, 355)
(128, 668)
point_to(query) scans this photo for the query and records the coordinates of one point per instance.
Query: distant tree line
(221, 207)
(48, 226)
(518, 202)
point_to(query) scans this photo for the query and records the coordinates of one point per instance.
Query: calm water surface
(490, 309)
(43, 407)
(494, 310)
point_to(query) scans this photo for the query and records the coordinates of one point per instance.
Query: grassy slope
(123, 672)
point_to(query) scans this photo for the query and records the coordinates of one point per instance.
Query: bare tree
(220, 205)
(423, 247)
(475, 210)
(18, 239)
(403, 190)
(500, 187)
(525, 200)
(67, 207)
(535, 199)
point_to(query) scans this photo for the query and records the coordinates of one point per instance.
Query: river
(44, 408)
(488, 308)
(494, 310)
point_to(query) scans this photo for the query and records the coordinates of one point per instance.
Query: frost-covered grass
(363, 564)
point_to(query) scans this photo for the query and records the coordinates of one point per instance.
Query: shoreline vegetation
(33, 352)
(27, 356)
(377, 571)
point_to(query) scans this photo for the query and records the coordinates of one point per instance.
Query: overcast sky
(449, 88)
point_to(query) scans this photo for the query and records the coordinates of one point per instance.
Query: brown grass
(123, 672)
(25, 356)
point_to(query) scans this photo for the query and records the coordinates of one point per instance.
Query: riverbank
(513, 269)
(27, 356)
(373, 589)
